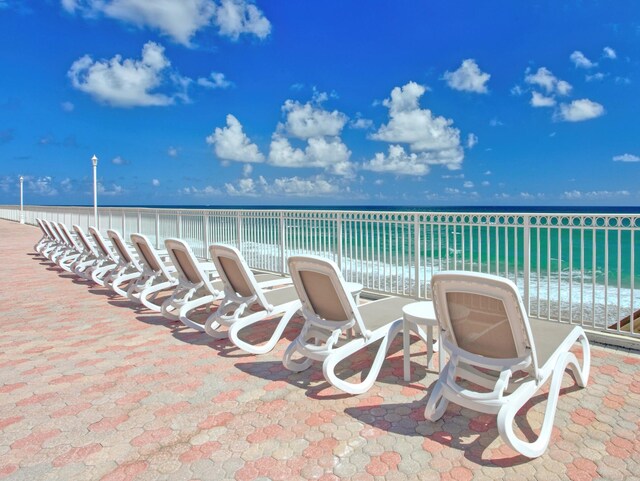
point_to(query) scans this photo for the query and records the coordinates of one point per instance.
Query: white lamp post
(94, 160)
(21, 201)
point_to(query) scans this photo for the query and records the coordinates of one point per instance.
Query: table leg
(406, 346)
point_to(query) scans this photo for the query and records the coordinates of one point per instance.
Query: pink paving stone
(76, 455)
(376, 467)
(126, 472)
(133, 398)
(246, 473)
(152, 436)
(200, 452)
(109, 423)
(69, 378)
(36, 399)
(216, 420)
(172, 409)
(71, 410)
(34, 441)
(7, 388)
(9, 421)
(8, 469)
(227, 396)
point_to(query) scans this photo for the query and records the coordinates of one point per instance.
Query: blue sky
(232, 102)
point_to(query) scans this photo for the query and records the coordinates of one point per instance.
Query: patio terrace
(93, 389)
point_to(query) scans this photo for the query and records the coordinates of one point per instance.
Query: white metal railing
(581, 269)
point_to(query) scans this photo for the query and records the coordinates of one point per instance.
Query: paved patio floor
(93, 389)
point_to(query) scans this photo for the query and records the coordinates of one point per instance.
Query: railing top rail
(355, 211)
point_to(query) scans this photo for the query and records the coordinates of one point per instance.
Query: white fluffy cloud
(472, 140)
(431, 139)
(216, 80)
(40, 185)
(309, 120)
(172, 151)
(539, 100)
(316, 186)
(626, 158)
(231, 143)
(580, 60)
(579, 110)
(320, 129)
(207, 191)
(595, 194)
(550, 83)
(468, 78)
(608, 52)
(330, 154)
(114, 190)
(235, 17)
(179, 19)
(124, 83)
(155, 182)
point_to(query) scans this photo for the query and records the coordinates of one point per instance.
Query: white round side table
(419, 316)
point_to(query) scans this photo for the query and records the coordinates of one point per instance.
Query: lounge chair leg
(334, 358)
(295, 365)
(437, 403)
(275, 337)
(508, 412)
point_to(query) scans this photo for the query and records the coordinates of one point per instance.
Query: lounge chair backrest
(70, 240)
(42, 228)
(100, 242)
(148, 255)
(235, 272)
(186, 263)
(482, 315)
(321, 289)
(121, 248)
(49, 230)
(58, 230)
(83, 239)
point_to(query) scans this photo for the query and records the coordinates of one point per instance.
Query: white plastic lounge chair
(89, 257)
(330, 312)
(72, 251)
(156, 275)
(51, 242)
(60, 246)
(106, 261)
(44, 240)
(127, 268)
(489, 338)
(245, 292)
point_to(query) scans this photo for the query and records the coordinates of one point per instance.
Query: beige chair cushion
(323, 297)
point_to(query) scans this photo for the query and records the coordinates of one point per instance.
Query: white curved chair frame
(107, 260)
(242, 291)
(127, 268)
(323, 339)
(194, 287)
(506, 397)
(156, 276)
(88, 258)
(72, 252)
(44, 240)
(52, 243)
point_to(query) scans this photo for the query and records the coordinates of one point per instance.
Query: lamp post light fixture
(94, 161)
(21, 201)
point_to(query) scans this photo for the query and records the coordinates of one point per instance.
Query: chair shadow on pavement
(473, 432)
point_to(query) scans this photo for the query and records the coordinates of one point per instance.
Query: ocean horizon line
(542, 209)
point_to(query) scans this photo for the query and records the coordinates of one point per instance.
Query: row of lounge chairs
(499, 358)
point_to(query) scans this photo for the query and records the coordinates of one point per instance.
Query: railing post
(239, 230)
(339, 239)
(416, 251)
(140, 222)
(157, 226)
(179, 220)
(283, 262)
(527, 263)
(110, 220)
(205, 219)
(124, 223)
